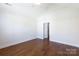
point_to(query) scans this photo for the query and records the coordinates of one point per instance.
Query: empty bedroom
(44, 29)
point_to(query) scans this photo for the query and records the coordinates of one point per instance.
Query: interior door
(45, 37)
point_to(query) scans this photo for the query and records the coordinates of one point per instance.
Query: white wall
(17, 24)
(64, 23)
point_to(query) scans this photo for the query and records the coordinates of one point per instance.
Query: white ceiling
(34, 10)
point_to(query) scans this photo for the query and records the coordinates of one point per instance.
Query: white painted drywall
(64, 23)
(17, 23)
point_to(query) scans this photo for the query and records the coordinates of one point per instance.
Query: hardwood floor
(38, 47)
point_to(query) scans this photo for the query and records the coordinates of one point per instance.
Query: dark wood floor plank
(38, 47)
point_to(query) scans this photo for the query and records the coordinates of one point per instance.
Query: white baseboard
(14, 43)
